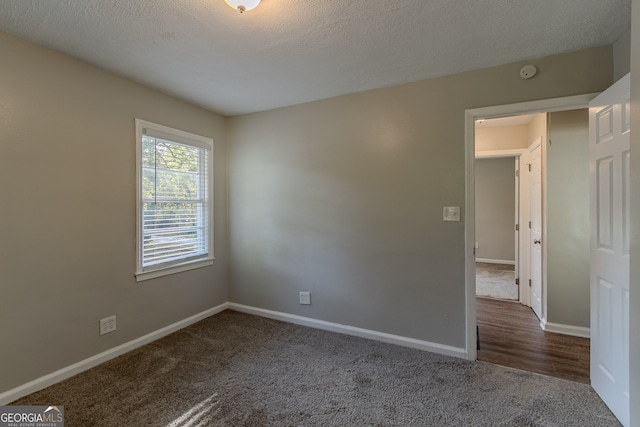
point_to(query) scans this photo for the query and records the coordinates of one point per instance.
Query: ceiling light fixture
(242, 5)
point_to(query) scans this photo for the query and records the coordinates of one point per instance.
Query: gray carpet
(234, 369)
(496, 281)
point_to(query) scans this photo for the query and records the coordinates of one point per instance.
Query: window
(174, 225)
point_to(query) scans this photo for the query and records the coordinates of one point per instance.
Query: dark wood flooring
(510, 335)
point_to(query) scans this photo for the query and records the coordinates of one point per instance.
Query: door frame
(471, 115)
(521, 261)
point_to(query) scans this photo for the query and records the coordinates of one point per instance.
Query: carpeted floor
(496, 281)
(234, 369)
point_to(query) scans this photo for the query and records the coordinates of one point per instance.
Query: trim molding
(352, 330)
(83, 365)
(495, 261)
(558, 328)
(500, 153)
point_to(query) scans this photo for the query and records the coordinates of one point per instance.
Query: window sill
(152, 274)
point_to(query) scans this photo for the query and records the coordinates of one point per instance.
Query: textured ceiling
(287, 52)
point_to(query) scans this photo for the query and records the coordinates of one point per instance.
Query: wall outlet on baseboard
(305, 298)
(107, 325)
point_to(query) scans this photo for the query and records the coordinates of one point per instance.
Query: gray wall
(622, 55)
(634, 292)
(495, 208)
(68, 190)
(343, 197)
(568, 227)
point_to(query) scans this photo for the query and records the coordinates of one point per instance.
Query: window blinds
(175, 200)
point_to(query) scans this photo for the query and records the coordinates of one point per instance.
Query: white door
(525, 232)
(535, 248)
(609, 152)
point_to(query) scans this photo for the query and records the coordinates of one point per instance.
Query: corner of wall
(622, 55)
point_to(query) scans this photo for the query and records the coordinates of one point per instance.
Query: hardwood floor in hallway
(510, 335)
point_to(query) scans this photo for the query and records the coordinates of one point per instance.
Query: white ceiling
(287, 52)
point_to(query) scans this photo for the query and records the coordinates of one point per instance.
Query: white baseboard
(495, 261)
(83, 365)
(351, 330)
(576, 331)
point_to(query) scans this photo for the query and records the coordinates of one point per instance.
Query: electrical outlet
(107, 325)
(305, 298)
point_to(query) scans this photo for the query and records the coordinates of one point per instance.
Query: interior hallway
(496, 281)
(510, 335)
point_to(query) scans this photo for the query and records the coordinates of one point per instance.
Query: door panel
(606, 327)
(604, 195)
(609, 154)
(626, 194)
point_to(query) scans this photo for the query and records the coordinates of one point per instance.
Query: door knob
(536, 242)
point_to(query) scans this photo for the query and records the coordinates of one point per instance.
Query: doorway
(503, 151)
(560, 104)
(497, 212)
(512, 334)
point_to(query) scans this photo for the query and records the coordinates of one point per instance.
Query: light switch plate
(305, 298)
(451, 213)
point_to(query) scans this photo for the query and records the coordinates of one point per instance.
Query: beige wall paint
(67, 233)
(343, 197)
(537, 128)
(501, 138)
(568, 221)
(634, 291)
(495, 208)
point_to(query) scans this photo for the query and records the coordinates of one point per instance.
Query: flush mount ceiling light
(242, 5)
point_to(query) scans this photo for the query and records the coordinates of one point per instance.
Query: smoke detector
(528, 71)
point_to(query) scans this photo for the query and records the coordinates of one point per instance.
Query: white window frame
(148, 128)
